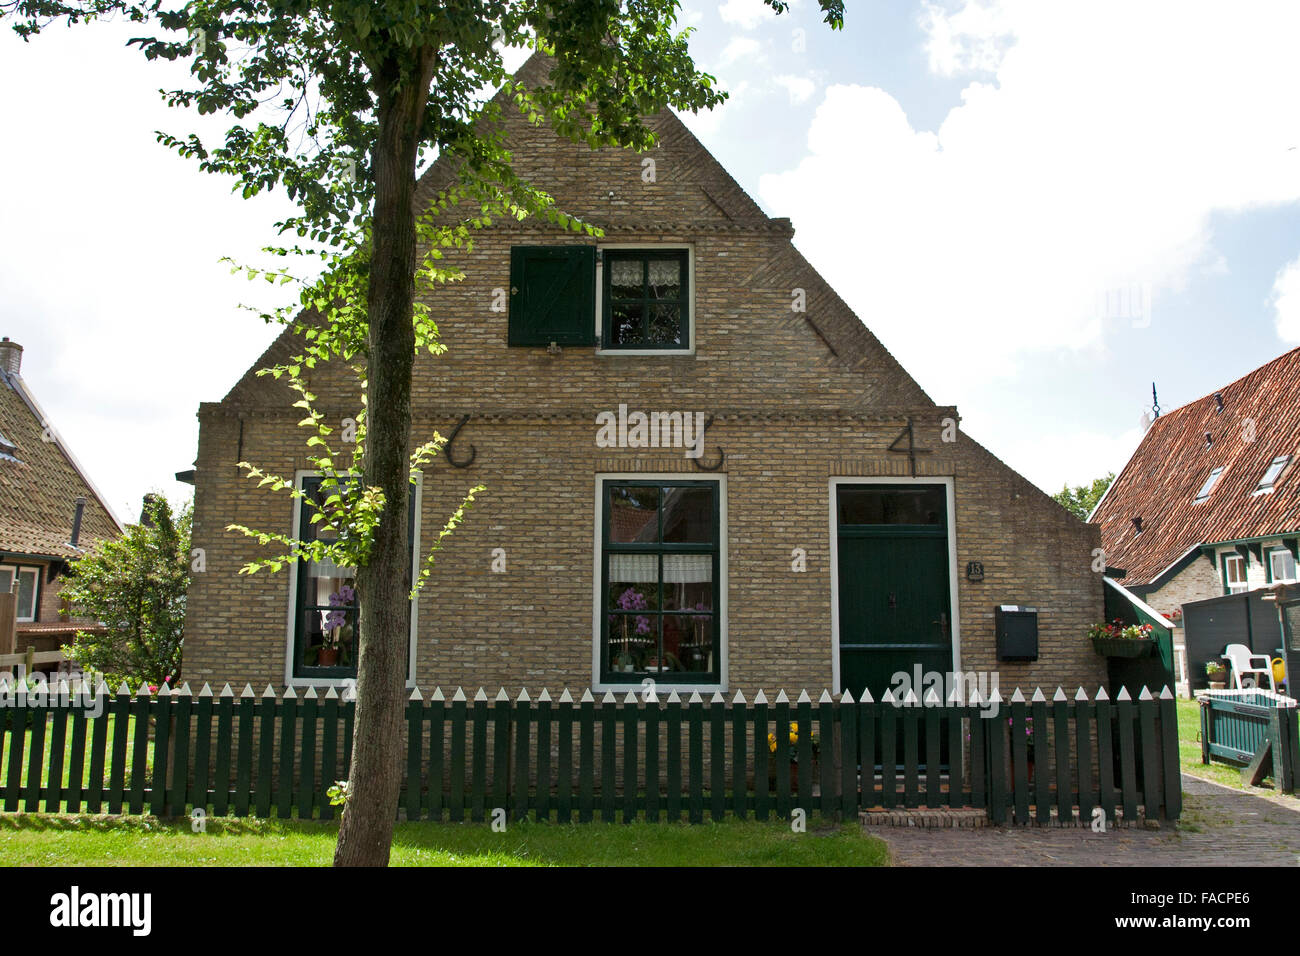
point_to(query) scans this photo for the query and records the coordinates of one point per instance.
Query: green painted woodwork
(552, 296)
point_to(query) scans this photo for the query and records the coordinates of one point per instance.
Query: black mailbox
(1017, 629)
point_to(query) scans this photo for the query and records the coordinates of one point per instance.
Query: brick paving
(1220, 827)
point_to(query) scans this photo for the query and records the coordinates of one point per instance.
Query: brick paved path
(1220, 827)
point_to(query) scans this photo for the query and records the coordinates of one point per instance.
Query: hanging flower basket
(1123, 647)
(1120, 640)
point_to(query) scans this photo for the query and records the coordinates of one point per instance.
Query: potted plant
(1216, 674)
(1118, 639)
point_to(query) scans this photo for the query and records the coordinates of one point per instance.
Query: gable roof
(717, 204)
(40, 482)
(1160, 482)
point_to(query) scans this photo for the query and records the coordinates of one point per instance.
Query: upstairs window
(1234, 574)
(1209, 484)
(646, 299)
(1281, 566)
(1273, 472)
(27, 592)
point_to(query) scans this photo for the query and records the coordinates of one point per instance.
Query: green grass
(39, 840)
(111, 720)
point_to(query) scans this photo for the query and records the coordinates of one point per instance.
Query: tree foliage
(1081, 499)
(135, 586)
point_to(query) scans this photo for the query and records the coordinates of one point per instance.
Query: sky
(1039, 208)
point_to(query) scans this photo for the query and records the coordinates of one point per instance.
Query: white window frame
(291, 621)
(1267, 489)
(17, 570)
(1241, 586)
(954, 585)
(1211, 482)
(1272, 572)
(661, 686)
(600, 295)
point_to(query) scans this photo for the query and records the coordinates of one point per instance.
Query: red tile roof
(1160, 482)
(40, 482)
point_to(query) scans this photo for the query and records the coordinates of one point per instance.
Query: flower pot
(1218, 685)
(1122, 646)
(327, 657)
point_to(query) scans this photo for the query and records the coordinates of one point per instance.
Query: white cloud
(1286, 302)
(1094, 163)
(971, 39)
(800, 88)
(746, 48)
(745, 14)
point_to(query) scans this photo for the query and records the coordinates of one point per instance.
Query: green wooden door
(894, 600)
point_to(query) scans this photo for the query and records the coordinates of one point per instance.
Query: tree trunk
(375, 777)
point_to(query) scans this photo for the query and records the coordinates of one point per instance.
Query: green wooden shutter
(552, 295)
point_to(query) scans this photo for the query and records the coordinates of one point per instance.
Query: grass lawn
(32, 840)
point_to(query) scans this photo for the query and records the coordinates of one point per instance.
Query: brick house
(702, 468)
(50, 513)
(1209, 504)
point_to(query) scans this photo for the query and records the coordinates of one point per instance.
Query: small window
(1281, 565)
(646, 299)
(1234, 574)
(28, 590)
(1275, 469)
(7, 448)
(326, 631)
(1209, 484)
(660, 581)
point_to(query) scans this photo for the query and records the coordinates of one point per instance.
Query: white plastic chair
(1244, 663)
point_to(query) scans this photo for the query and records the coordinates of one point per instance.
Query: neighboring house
(50, 512)
(1209, 504)
(835, 530)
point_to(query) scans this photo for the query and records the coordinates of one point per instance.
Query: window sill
(690, 352)
(662, 689)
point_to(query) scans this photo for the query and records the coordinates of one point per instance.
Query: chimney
(76, 521)
(146, 510)
(11, 356)
(1218, 402)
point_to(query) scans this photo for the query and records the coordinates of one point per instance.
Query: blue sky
(1038, 208)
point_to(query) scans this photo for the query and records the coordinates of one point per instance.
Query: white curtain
(644, 568)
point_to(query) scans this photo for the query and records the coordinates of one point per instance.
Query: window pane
(1235, 568)
(1209, 484)
(1283, 566)
(688, 514)
(688, 642)
(688, 582)
(633, 514)
(6, 580)
(665, 278)
(633, 639)
(626, 278)
(27, 594)
(633, 582)
(625, 323)
(329, 637)
(903, 505)
(665, 325)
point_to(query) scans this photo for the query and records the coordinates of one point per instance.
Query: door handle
(942, 622)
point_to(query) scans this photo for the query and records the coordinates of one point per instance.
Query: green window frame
(660, 582)
(645, 314)
(320, 622)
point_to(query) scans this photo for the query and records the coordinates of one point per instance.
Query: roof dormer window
(1272, 473)
(1210, 482)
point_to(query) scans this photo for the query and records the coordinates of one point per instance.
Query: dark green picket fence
(661, 759)
(1249, 727)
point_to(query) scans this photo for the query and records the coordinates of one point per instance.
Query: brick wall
(798, 399)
